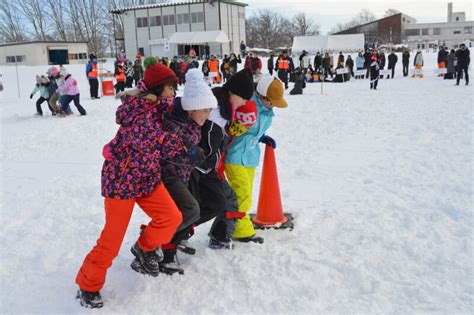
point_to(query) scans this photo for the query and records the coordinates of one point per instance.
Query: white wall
(38, 53)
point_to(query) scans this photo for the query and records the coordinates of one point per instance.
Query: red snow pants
(165, 219)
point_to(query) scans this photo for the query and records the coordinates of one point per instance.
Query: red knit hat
(158, 74)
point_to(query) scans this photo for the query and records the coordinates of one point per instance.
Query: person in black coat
(270, 64)
(374, 72)
(233, 61)
(207, 51)
(317, 62)
(350, 66)
(382, 61)
(405, 62)
(299, 82)
(367, 57)
(392, 61)
(464, 59)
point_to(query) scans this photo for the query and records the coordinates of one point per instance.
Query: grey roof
(169, 4)
(43, 42)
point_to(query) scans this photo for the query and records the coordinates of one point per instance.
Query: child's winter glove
(31, 96)
(268, 141)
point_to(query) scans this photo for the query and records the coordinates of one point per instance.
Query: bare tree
(56, 15)
(34, 13)
(11, 23)
(363, 17)
(304, 26)
(390, 12)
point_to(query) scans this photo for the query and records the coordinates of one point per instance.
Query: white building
(431, 35)
(168, 29)
(43, 53)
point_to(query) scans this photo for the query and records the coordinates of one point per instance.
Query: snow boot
(170, 264)
(89, 299)
(253, 238)
(184, 247)
(148, 261)
(215, 244)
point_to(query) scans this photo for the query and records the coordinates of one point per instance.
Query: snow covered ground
(380, 184)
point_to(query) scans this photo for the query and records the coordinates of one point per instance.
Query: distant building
(431, 35)
(388, 30)
(168, 29)
(43, 53)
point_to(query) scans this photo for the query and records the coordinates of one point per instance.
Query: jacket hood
(132, 106)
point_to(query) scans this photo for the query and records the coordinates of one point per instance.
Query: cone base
(287, 222)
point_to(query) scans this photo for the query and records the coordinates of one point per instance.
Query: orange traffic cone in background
(269, 210)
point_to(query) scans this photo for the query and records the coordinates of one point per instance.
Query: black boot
(253, 238)
(184, 247)
(148, 261)
(170, 264)
(215, 244)
(89, 299)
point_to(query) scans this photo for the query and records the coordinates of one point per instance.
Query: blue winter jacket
(245, 149)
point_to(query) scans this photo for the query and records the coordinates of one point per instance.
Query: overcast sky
(328, 13)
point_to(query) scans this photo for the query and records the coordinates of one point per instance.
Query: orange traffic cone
(269, 210)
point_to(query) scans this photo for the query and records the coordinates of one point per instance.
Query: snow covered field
(380, 184)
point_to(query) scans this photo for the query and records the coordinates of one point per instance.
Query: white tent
(199, 37)
(312, 44)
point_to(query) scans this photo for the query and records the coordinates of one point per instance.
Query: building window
(457, 32)
(436, 31)
(186, 18)
(242, 15)
(194, 17)
(11, 59)
(413, 32)
(142, 22)
(82, 56)
(179, 18)
(166, 20)
(171, 19)
(403, 20)
(457, 18)
(200, 17)
(158, 20)
(468, 30)
(425, 31)
(152, 21)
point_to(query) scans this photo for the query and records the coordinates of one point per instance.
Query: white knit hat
(197, 94)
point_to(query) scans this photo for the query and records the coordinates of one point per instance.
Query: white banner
(360, 72)
(385, 72)
(441, 71)
(342, 71)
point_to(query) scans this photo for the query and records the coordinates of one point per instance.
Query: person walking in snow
(128, 74)
(92, 73)
(374, 71)
(270, 64)
(451, 70)
(418, 63)
(243, 155)
(131, 174)
(71, 92)
(189, 114)
(283, 66)
(463, 61)
(405, 62)
(137, 70)
(42, 86)
(392, 62)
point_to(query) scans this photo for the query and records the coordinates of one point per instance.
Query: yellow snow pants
(241, 180)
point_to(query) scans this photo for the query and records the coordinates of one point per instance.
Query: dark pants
(94, 88)
(215, 198)
(74, 98)
(283, 76)
(466, 74)
(359, 76)
(405, 69)
(186, 203)
(393, 72)
(270, 71)
(119, 87)
(40, 101)
(129, 82)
